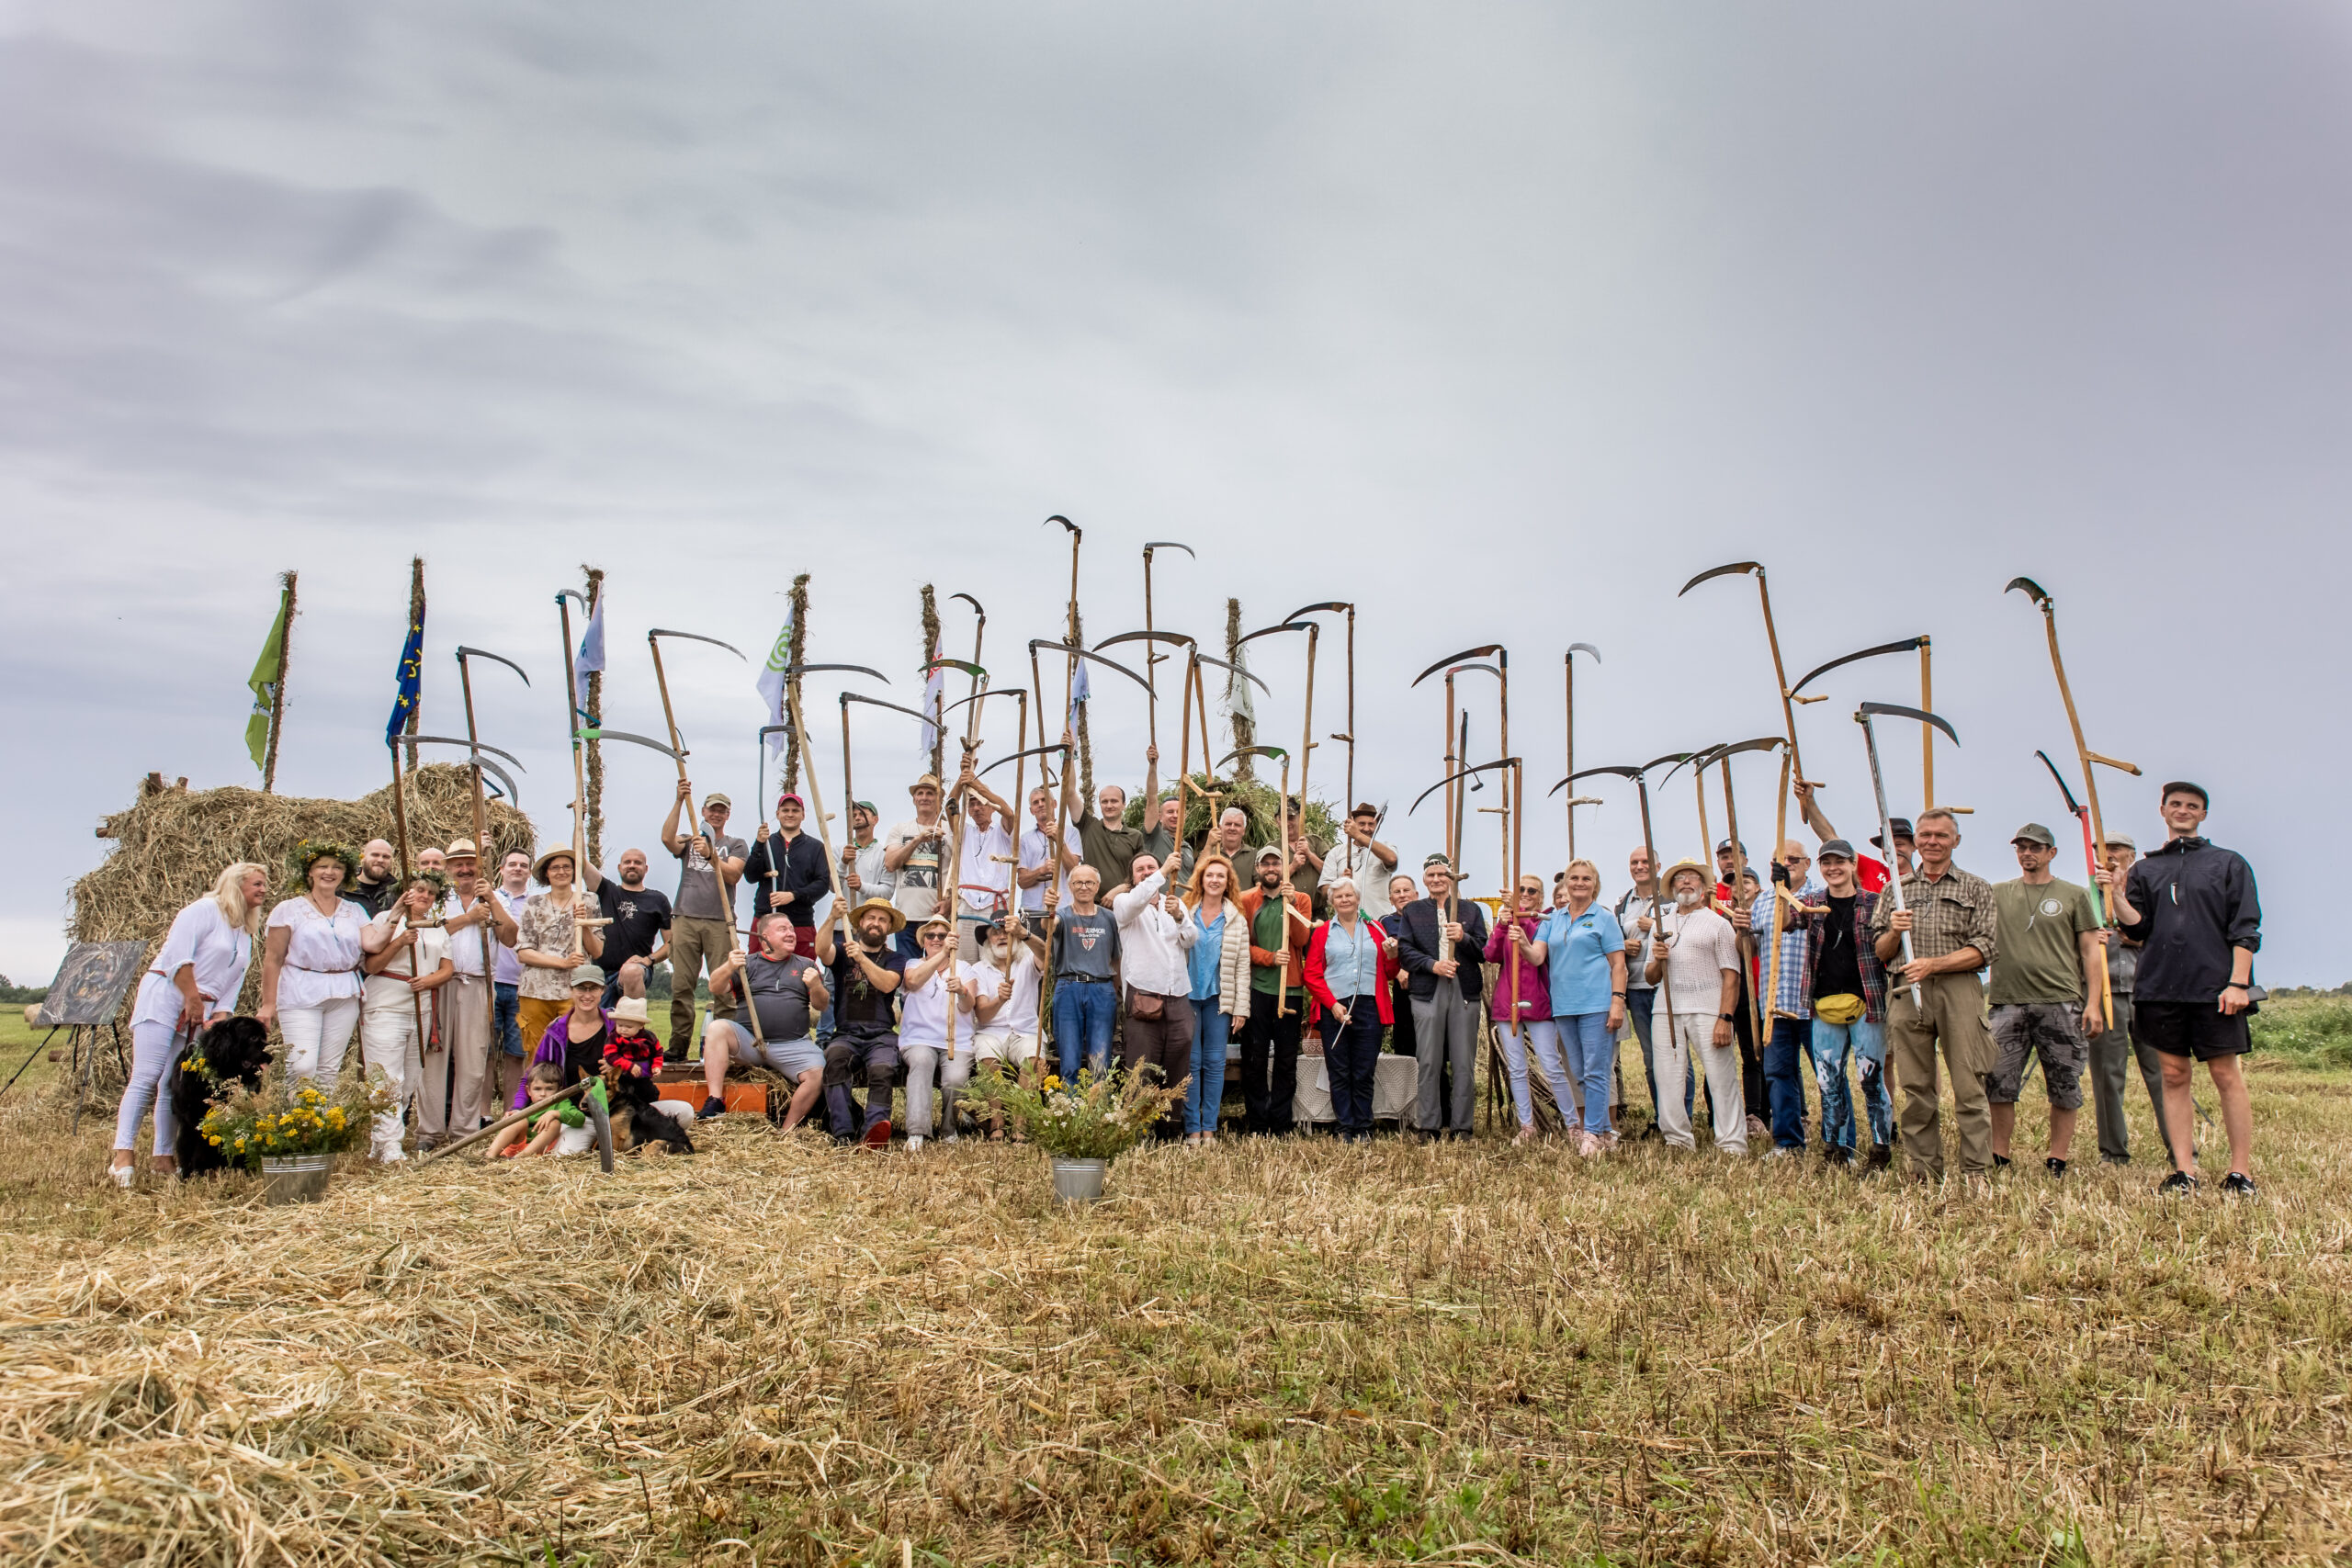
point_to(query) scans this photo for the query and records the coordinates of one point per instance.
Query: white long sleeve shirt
(1151, 945)
(201, 938)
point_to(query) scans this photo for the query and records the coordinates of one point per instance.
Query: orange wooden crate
(751, 1098)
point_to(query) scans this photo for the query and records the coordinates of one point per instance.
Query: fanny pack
(1147, 1005)
(1843, 1008)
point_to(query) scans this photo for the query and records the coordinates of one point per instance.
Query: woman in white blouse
(192, 982)
(309, 968)
(406, 963)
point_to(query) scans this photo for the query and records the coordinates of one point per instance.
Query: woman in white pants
(192, 982)
(923, 1031)
(310, 968)
(1521, 1007)
(406, 966)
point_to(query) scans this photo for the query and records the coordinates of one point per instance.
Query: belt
(308, 970)
(1081, 979)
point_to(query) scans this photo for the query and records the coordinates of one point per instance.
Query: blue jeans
(1084, 1011)
(1592, 1052)
(1351, 1058)
(505, 1019)
(1782, 1086)
(1868, 1041)
(1205, 1096)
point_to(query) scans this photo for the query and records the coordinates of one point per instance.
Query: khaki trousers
(464, 1037)
(1955, 1019)
(692, 944)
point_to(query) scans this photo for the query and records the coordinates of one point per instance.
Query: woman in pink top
(1520, 1005)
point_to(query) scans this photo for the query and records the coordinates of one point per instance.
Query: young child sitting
(632, 1056)
(560, 1129)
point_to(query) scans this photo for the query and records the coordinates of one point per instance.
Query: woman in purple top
(1520, 1005)
(575, 1041)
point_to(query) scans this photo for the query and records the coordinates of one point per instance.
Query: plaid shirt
(1792, 988)
(1948, 914)
(1865, 954)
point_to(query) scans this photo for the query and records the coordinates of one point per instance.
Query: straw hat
(1706, 874)
(898, 920)
(539, 866)
(462, 849)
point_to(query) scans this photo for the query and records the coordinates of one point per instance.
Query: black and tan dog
(233, 1051)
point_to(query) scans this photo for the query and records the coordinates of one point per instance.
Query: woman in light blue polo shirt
(1585, 952)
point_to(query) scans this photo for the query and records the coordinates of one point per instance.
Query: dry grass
(1267, 1353)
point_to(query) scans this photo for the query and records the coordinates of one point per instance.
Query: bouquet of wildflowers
(1101, 1116)
(284, 1118)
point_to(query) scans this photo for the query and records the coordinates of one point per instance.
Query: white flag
(934, 695)
(1237, 689)
(772, 683)
(1080, 690)
(591, 661)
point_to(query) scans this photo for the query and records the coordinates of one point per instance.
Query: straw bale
(173, 841)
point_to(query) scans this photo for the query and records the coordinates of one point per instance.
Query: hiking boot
(878, 1134)
(2055, 1166)
(1881, 1156)
(2179, 1184)
(2238, 1185)
(1836, 1154)
(711, 1106)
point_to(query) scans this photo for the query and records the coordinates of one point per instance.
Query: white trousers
(442, 1107)
(316, 1038)
(1544, 1036)
(1676, 1049)
(389, 1043)
(925, 1065)
(154, 1048)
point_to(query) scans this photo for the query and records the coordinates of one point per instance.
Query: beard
(1687, 898)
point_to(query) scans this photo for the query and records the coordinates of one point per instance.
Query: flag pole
(277, 694)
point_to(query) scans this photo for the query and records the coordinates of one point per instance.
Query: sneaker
(1779, 1151)
(2001, 1162)
(2238, 1185)
(125, 1176)
(711, 1106)
(2179, 1184)
(877, 1133)
(914, 1143)
(2055, 1166)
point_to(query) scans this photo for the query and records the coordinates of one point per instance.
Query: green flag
(268, 670)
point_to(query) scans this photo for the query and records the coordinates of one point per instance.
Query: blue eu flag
(411, 676)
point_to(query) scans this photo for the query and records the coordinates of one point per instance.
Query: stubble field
(1292, 1353)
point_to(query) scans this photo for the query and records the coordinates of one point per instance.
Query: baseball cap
(1728, 845)
(1836, 847)
(586, 975)
(1434, 859)
(864, 805)
(1901, 826)
(2034, 833)
(793, 796)
(715, 798)
(1265, 850)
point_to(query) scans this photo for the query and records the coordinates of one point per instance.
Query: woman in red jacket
(1521, 1009)
(1349, 960)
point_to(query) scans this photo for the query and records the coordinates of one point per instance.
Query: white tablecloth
(1395, 1080)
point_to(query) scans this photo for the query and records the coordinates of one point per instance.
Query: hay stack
(173, 841)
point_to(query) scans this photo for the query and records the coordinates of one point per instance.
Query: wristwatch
(1728, 1017)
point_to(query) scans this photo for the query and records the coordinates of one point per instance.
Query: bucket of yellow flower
(1085, 1125)
(291, 1130)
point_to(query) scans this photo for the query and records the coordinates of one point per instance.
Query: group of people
(962, 941)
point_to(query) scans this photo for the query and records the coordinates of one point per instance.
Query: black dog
(636, 1096)
(234, 1050)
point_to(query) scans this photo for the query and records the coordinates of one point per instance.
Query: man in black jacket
(786, 872)
(2192, 907)
(1442, 950)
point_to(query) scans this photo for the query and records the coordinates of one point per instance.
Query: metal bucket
(299, 1180)
(1079, 1180)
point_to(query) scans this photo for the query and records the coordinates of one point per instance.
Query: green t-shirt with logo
(2038, 959)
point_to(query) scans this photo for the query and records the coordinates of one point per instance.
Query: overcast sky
(1500, 321)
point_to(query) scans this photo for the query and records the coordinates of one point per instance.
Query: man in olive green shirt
(2040, 996)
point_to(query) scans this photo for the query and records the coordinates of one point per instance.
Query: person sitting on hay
(789, 990)
(632, 1061)
(561, 1129)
